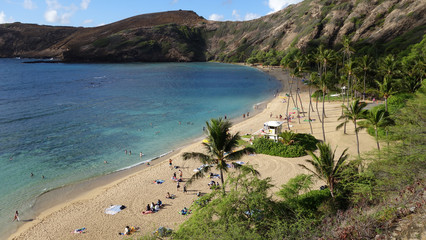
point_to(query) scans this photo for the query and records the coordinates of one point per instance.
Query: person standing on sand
(177, 186)
(184, 188)
(16, 216)
(180, 173)
(171, 164)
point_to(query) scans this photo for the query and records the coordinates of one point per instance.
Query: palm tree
(376, 118)
(347, 50)
(353, 113)
(310, 83)
(325, 166)
(220, 149)
(364, 64)
(287, 137)
(323, 82)
(386, 89)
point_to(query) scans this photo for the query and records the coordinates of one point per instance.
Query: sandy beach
(138, 189)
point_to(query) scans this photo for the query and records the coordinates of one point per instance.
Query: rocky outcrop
(185, 36)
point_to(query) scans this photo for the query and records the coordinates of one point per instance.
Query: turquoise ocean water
(62, 121)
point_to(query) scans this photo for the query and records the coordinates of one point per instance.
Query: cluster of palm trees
(326, 70)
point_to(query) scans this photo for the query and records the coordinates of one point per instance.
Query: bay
(62, 121)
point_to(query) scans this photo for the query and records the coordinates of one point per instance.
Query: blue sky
(91, 13)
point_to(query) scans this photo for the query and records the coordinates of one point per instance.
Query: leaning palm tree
(376, 118)
(325, 166)
(353, 113)
(220, 147)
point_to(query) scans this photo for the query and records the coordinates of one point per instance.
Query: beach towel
(158, 181)
(147, 212)
(79, 230)
(239, 162)
(114, 209)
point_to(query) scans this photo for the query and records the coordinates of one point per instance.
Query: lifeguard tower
(272, 129)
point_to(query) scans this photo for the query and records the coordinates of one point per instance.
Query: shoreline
(136, 189)
(53, 199)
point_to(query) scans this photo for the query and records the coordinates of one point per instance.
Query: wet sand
(136, 188)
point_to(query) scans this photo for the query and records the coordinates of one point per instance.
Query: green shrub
(302, 143)
(100, 43)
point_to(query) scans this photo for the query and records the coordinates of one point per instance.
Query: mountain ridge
(185, 36)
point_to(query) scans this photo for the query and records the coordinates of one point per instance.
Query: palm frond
(246, 169)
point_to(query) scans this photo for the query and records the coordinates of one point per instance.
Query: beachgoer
(16, 216)
(140, 154)
(270, 115)
(157, 208)
(177, 186)
(148, 208)
(130, 152)
(248, 114)
(168, 195)
(127, 230)
(42, 176)
(152, 206)
(184, 188)
(159, 203)
(199, 194)
(244, 115)
(105, 162)
(125, 151)
(171, 164)
(174, 175)
(147, 164)
(32, 174)
(225, 117)
(180, 173)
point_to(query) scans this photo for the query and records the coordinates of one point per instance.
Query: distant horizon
(93, 13)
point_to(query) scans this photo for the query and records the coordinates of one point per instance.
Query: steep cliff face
(185, 36)
(314, 22)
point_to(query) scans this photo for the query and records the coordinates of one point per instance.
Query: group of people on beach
(152, 208)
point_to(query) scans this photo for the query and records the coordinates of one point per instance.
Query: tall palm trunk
(297, 105)
(323, 113)
(377, 138)
(222, 181)
(316, 106)
(357, 140)
(363, 95)
(300, 100)
(288, 105)
(309, 110)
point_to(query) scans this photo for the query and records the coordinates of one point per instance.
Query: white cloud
(58, 13)
(251, 16)
(51, 16)
(277, 5)
(84, 4)
(216, 17)
(87, 21)
(175, 1)
(53, 4)
(236, 15)
(28, 4)
(2, 17)
(65, 18)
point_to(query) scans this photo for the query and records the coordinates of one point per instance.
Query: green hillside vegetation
(364, 196)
